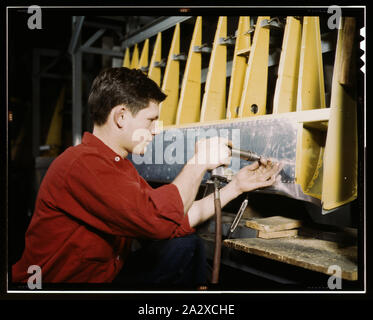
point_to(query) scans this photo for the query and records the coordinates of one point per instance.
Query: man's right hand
(212, 152)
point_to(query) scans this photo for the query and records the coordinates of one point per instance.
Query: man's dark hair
(115, 86)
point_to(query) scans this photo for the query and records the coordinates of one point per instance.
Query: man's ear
(120, 113)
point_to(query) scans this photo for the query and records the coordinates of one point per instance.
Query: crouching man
(92, 202)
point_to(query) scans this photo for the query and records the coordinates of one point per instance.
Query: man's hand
(257, 175)
(212, 152)
(254, 176)
(209, 154)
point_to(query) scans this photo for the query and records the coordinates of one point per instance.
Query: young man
(92, 201)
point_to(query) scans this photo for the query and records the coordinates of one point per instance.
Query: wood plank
(275, 223)
(312, 254)
(277, 234)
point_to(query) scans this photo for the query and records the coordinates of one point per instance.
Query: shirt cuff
(185, 227)
(168, 201)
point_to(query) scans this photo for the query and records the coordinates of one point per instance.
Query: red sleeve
(113, 200)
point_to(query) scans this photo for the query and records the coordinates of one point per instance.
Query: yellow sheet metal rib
(154, 68)
(188, 110)
(144, 58)
(239, 65)
(340, 160)
(285, 99)
(310, 95)
(126, 59)
(311, 92)
(170, 85)
(254, 96)
(135, 57)
(213, 104)
(310, 152)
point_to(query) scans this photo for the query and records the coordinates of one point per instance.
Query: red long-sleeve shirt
(90, 205)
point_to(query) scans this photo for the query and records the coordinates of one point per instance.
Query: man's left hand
(257, 175)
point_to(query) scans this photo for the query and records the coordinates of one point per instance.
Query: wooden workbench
(309, 253)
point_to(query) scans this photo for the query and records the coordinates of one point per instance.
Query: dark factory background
(22, 43)
(47, 47)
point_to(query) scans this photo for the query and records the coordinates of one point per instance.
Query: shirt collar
(90, 139)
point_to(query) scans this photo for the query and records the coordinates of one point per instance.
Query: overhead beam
(102, 51)
(94, 38)
(100, 25)
(152, 30)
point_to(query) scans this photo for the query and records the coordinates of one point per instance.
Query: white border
(191, 292)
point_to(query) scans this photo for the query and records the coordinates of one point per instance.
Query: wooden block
(313, 254)
(277, 234)
(275, 223)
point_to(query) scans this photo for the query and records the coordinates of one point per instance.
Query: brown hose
(218, 239)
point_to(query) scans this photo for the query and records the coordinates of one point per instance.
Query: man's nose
(156, 128)
(153, 130)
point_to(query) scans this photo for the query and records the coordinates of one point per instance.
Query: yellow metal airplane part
(170, 85)
(340, 159)
(310, 95)
(326, 154)
(254, 97)
(239, 65)
(135, 57)
(188, 110)
(144, 58)
(126, 59)
(155, 68)
(213, 104)
(310, 152)
(311, 91)
(55, 128)
(285, 98)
